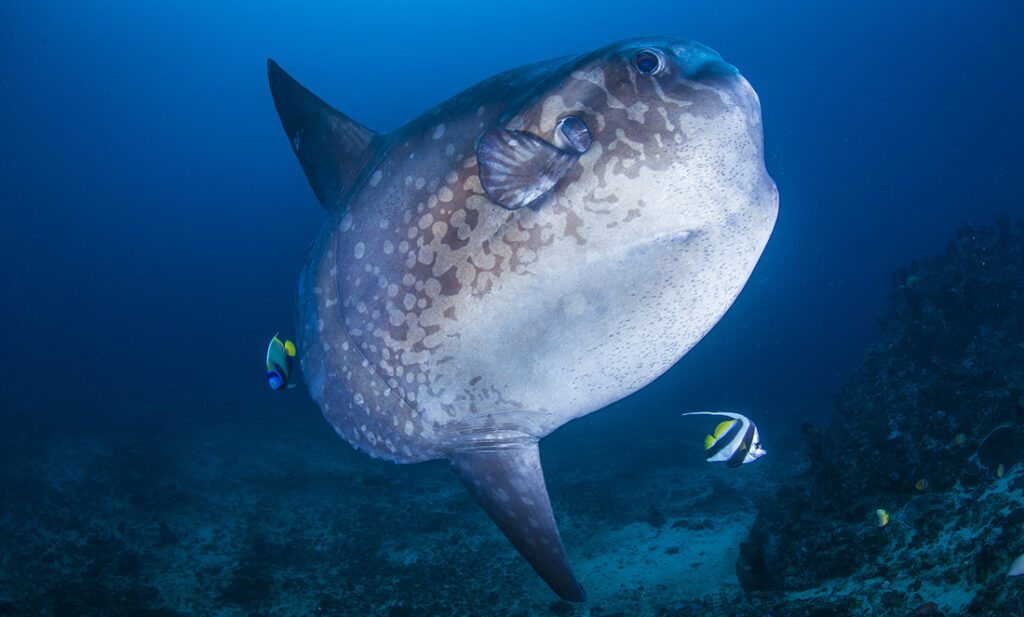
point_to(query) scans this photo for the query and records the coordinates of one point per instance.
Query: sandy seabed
(127, 515)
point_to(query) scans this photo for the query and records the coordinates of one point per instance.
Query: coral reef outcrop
(928, 428)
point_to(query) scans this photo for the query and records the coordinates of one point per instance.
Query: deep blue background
(155, 219)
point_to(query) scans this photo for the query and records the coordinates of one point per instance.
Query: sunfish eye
(647, 61)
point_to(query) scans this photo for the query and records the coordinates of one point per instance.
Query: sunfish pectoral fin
(331, 147)
(518, 168)
(507, 480)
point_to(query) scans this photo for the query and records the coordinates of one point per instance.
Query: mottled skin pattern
(429, 316)
(435, 322)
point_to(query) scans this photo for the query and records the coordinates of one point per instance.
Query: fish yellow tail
(290, 348)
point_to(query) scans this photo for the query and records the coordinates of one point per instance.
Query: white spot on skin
(425, 256)
(359, 250)
(409, 428)
(438, 131)
(636, 111)
(376, 178)
(472, 184)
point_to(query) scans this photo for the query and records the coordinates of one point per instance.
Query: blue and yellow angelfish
(280, 362)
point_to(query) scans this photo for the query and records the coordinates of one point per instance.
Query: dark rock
(249, 586)
(330, 606)
(400, 610)
(1014, 518)
(655, 517)
(893, 599)
(167, 536)
(129, 564)
(1002, 446)
(948, 359)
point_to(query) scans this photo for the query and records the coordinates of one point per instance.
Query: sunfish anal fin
(507, 480)
(332, 147)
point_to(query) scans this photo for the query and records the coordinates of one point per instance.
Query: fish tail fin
(507, 480)
(708, 442)
(290, 348)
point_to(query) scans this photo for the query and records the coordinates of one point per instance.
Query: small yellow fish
(960, 439)
(999, 471)
(883, 517)
(921, 485)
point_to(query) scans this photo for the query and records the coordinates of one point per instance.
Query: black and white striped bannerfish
(735, 441)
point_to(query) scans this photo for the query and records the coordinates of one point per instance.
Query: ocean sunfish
(527, 252)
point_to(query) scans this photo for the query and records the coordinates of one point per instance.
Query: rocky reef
(927, 429)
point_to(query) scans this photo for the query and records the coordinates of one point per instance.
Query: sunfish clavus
(527, 252)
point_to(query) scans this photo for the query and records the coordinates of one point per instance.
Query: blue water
(155, 219)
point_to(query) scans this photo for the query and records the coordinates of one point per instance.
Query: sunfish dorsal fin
(507, 480)
(331, 147)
